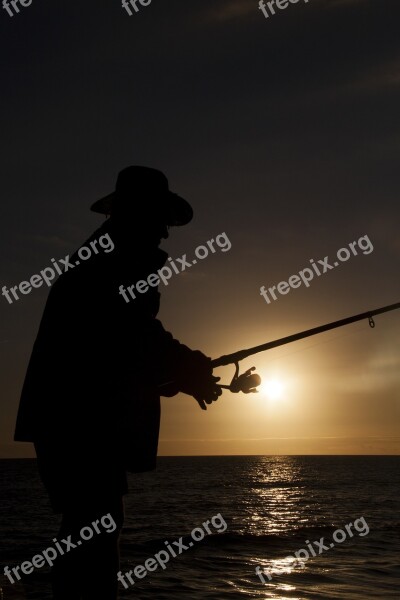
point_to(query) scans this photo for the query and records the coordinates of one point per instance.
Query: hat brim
(175, 209)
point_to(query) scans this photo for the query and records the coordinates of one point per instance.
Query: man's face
(156, 232)
(148, 234)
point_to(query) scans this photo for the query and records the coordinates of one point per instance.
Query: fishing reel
(246, 382)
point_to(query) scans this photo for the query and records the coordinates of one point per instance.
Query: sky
(283, 133)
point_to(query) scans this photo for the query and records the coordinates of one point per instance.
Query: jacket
(93, 376)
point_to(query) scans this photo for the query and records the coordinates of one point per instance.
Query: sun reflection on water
(278, 496)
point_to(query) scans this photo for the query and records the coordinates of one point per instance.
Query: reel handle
(246, 383)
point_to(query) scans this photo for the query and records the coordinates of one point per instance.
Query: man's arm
(173, 366)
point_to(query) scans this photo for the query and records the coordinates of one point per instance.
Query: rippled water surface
(272, 506)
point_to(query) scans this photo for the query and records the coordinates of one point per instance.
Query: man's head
(143, 206)
(142, 193)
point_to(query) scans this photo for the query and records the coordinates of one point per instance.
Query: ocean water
(272, 508)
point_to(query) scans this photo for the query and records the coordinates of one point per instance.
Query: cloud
(381, 375)
(50, 240)
(333, 3)
(384, 76)
(232, 9)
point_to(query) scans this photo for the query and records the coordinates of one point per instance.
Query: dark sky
(283, 133)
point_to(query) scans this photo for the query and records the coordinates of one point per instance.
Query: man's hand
(198, 380)
(209, 393)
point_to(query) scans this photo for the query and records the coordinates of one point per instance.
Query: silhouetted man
(91, 397)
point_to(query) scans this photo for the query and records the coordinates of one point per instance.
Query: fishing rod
(249, 381)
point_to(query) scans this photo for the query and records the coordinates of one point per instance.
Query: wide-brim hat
(144, 193)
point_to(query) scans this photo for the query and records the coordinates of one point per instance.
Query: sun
(273, 389)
